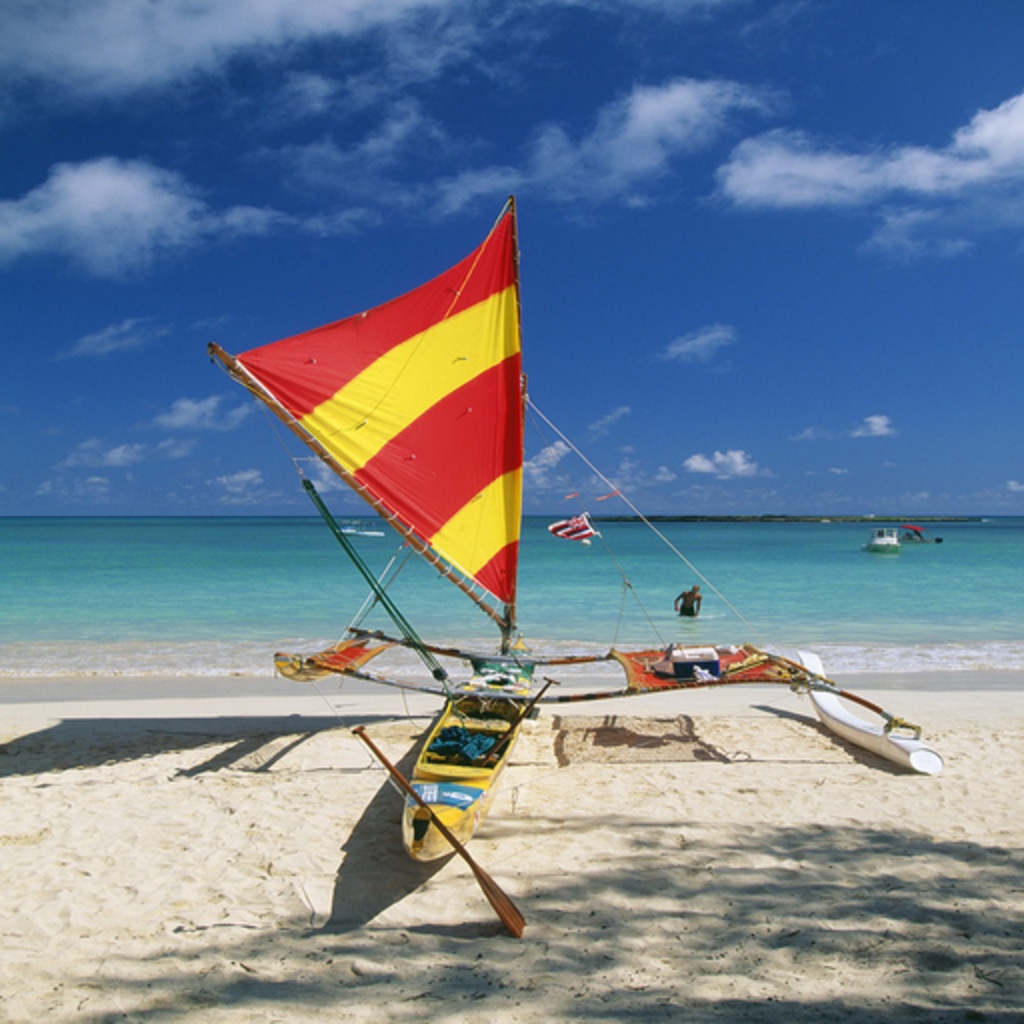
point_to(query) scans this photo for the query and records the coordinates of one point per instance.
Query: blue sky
(771, 251)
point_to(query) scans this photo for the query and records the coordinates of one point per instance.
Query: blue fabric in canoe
(455, 741)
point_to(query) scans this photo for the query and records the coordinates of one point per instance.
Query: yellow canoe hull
(460, 788)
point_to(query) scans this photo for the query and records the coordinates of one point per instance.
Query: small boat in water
(884, 541)
(917, 535)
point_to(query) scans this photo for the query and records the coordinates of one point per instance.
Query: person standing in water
(688, 602)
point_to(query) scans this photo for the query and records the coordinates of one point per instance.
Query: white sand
(238, 859)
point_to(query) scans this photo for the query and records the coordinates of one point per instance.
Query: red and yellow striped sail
(420, 402)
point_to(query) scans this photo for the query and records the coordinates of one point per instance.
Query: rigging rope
(627, 588)
(661, 536)
(371, 601)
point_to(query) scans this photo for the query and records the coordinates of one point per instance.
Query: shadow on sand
(375, 872)
(91, 742)
(856, 753)
(586, 958)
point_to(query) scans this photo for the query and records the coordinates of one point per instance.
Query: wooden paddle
(509, 913)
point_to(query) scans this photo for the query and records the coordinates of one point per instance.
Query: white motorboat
(884, 541)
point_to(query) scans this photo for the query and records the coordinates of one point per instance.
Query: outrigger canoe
(383, 398)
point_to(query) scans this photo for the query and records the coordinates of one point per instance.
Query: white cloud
(202, 414)
(126, 336)
(701, 345)
(636, 137)
(325, 479)
(926, 191)
(94, 453)
(90, 488)
(787, 168)
(724, 465)
(111, 47)
(537, 471)
(634, 141)
(488, 182)
(669, 7)
(1015, 487)
(812, 434)
(870, 426)
(307, 94)
(116, 47)
(404, 132)
(601, 427)
(874, 426)
(245, 487)
(174, 448)
(915, 232)
(114, 216)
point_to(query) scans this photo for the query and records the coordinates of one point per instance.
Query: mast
(508, 625)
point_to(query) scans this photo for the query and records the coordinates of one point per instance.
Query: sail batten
(417, 404)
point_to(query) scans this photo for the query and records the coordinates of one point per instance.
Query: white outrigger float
(896, 740)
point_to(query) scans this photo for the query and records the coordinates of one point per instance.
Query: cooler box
(686, 660)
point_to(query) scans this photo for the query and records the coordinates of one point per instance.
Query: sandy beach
(707, 855)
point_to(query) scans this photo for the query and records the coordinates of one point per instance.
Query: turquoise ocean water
(217, 596)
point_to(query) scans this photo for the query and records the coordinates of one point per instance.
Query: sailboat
(418, 405)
